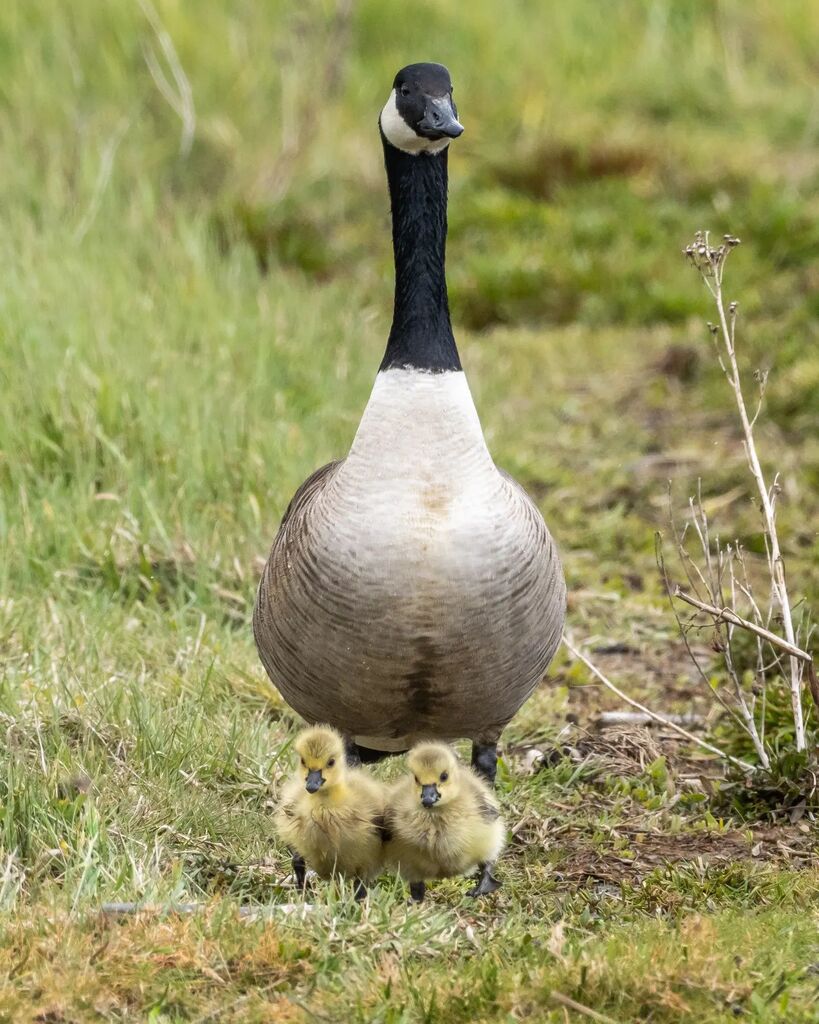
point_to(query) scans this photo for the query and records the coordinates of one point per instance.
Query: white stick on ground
(653, 714)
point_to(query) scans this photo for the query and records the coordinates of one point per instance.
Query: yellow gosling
(443, 820)
(331, 816)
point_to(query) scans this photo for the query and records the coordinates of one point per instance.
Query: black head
(420, 116)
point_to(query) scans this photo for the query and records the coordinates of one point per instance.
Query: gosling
(331, 816)
(442, 820)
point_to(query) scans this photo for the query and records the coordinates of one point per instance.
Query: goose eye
(331, 762)
(444, 776)
(405, 90)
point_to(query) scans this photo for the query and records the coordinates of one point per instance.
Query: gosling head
(435, 769)
(420, 115)
(321, 751)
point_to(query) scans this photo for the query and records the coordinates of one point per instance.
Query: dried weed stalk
(719, 584)
(719, 580)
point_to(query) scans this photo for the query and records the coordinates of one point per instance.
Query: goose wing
(311, 487)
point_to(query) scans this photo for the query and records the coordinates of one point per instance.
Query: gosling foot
(485, 760)
(486, 882)
(300, 872)
(417, 892)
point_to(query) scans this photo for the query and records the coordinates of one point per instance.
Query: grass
(179, 349)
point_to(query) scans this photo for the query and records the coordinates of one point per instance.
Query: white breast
(419, 455)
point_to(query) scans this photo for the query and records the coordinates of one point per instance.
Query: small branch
(584, 1011)
(653, 714)
(726, 615)
(609, 718)
(184, 909)
(658, 554)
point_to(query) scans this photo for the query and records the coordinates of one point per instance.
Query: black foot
(485, 760)
(300, 871)
(360, 890)
(486, 883)
(418, 891)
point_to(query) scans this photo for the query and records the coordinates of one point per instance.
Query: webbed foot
(299, 871)
(486, 882)
(417, 892)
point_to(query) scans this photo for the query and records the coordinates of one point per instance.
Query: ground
(192, 309)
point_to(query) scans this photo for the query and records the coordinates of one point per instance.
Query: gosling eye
(331, 762)
(303, 763)
(444, 776)
(417, 781)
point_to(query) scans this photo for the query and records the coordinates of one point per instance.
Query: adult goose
(413, 591)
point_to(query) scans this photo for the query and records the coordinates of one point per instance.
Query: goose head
(322, 760)
(420, 115)
(436, 771)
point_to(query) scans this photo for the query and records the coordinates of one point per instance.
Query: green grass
(183, 339)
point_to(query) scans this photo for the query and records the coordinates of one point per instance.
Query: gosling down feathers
(413, 590)
(442, 820)
(331, 816)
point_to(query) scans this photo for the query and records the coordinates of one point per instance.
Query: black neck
(421, 334)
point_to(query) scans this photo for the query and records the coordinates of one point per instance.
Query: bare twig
(609, 718)
(727, 615)
(658, 550)
(584, 1011)
(653, 714)
(184, 909)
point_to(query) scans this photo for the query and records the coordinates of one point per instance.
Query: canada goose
(442, 820)
(331, 816)
(413, 590)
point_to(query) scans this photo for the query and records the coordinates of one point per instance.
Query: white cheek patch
(399, 134)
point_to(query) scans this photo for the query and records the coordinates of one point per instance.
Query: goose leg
(418, 891)
(359, 890)
(299, 871)
(358, 755)
(485, 760)
(486, 882)
(352, 753)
